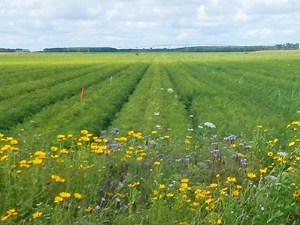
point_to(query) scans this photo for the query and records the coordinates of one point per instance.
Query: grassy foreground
(157, 139)
(150, 179)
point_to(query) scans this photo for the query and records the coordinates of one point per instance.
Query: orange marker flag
(82, 93)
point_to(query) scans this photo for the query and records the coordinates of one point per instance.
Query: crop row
(18, 108)
(44, 77)
(231, 97)
(154, 106)
(102, 100)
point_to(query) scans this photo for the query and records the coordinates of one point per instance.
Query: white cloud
(37, 24)
(183, 36)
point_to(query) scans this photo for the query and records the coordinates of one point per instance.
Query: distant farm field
(169, 138)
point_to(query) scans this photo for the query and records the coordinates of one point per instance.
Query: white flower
(156, 113)
(209, 125)
(170, 90)
(282, 154)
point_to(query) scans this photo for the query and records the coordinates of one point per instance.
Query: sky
(39, 24)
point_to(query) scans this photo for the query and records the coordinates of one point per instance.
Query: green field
(40, 93)
(140, 138)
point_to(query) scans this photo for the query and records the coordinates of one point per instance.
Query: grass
(157, 139)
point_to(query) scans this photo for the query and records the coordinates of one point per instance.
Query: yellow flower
(223, 191)
(195, 204)
(184, 180)
(88, 209)
(157, 163)
(53, 148)
(208, 201)
(134, 184)
(139, 158)
(162, 186)
(184, 223)
(239, 187)
(64, 151)
(263, 170)
(85, 139)
(84, 132)
(77, 195)
(5, 157)
(270, 154)
(13, 142)
(58, 199)
(61, 137)
(166, 137)
(219, 222)
(170, 195)
(183, 186)
(58, 178)
(213, 185)
(9, 213)
(24, 163)
(4, 217)
(297, 193)
(235, 193)
(64, 194)
(37, 215)
(251, 175)
(231, 179)
(12, 212)
(40, 154)
(292, 144)
(37, 161)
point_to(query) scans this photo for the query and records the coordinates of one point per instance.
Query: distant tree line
(81, 49)
(13, 50)
(225, 48)
(287, 46)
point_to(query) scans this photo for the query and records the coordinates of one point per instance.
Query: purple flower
(115, 131)
(114, 145)
(230, 138)
(215, 152)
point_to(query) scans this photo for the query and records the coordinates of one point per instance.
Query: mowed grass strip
(95, 111)
(15, 110)
(154, 106)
